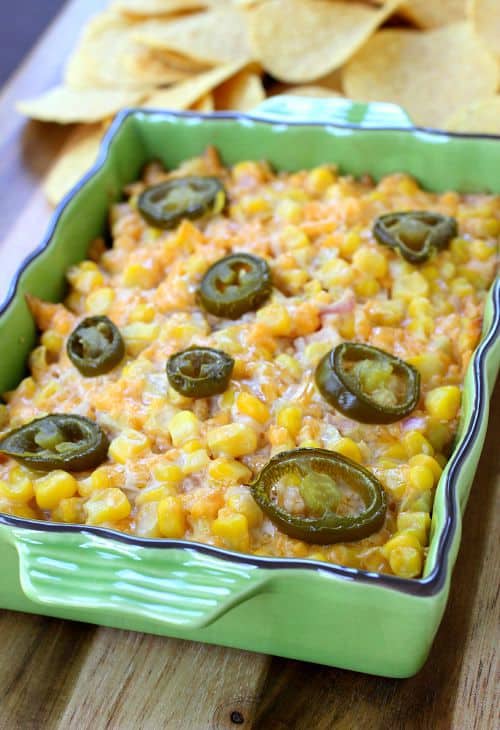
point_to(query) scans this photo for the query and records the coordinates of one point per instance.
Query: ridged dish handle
(342, 112)
(173, 587)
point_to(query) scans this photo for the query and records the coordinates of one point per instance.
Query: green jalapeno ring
(199, 372)
(166, 204)
(342, 391)
(58, 441)
(95, 346)
(236, 284)
(415, 233)
(330, 527)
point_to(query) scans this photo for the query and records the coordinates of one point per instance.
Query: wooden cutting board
(61, 674)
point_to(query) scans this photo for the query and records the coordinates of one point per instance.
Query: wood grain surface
(60, 675)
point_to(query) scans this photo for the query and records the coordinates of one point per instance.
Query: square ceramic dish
(296, 608)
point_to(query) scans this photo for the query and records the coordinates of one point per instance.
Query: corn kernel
(144, 312)
(156, 493)
(233, 529)
(138, 335)
(107, 505)
(191, 446)
(18, 490)
(289, 211)
(171, 517)
(300, 549)
(306, 319)
(293, 238)
(69, 510)
(146, 521)
(348, 447)
(128, 445)
(418, 522)
(100, 300)
(460, 287)
(491, 227)
(229, 471)
(421, 477)
(350, 243)
(459, 249)
(243, 503)
(420, 307)
(194, 461)
(4, 415)
(252, 205)
(141, 275)
(428, 461)
(276, 319)
(370, 261)
(206, 507)
(290, 418)
(52, 341)
(409, 286)
(395, 451)
(56, 485)
(26, 388)
(366, 286)
(315, 351)
(310, 444)
(290, 364)
(177, 399)
(386, 311)
(85, 277)
(319, 180)
(168, 473)
(415, 443)
(317, 555)
(294, 280)
(335, 272)
(235, 439)
(443, 402)
(184, 427)
(18, 509)
(428, 364)
(405, 555)
(252, 407)
(438, 433)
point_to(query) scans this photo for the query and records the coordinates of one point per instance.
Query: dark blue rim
(423, 587)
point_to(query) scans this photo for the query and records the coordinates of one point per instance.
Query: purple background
(20, 26)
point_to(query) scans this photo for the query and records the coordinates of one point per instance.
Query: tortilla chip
(108, 56)
(183, 95)
(430, 74)
(77, 156)
(310, 90)
(218, 36)
(434, 13)
(485, 17)
(144, 8)
(205, 105)
(241, 92)
(64, 105)
(482, 116)
(299, 40)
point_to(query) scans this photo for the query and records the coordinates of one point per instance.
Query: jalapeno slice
(367, 384)
(327, 483)
(58, 441)
(416, 233)
(199, 372)
(95, 346)
(236, 284)
(166, 204)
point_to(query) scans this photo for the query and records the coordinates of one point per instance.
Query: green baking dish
(295, 608)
